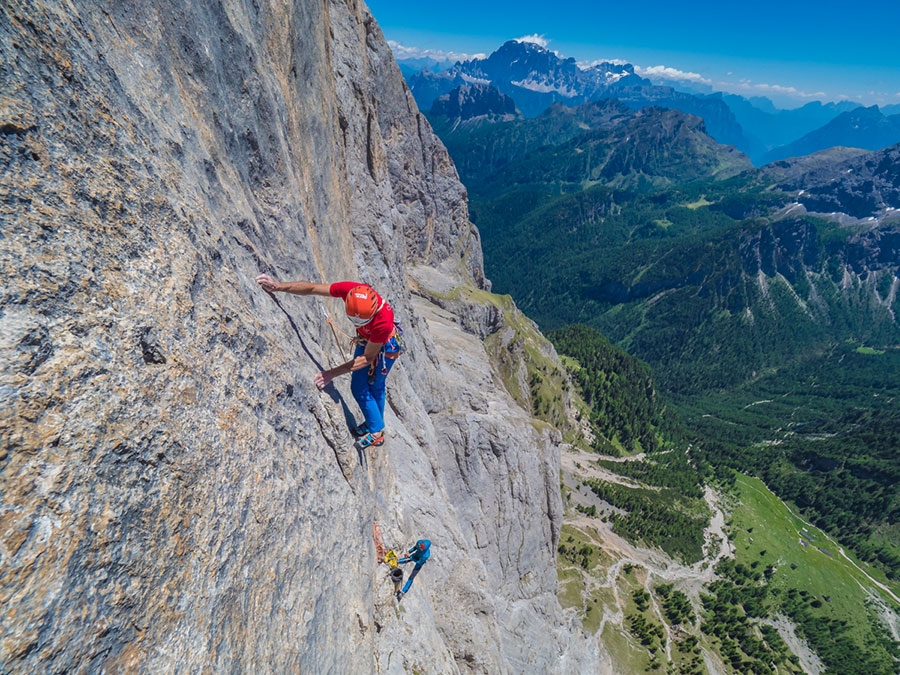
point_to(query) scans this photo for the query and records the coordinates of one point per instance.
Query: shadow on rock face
(341, 454)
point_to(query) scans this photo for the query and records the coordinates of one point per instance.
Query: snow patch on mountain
(545, 87)
(611, 77)
(471, 79)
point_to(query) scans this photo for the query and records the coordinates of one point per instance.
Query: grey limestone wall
(175, 494)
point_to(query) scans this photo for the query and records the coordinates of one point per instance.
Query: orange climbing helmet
(362, 304)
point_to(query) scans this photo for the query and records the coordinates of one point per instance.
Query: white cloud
(539, 40)
(671, 74)
(779, 89)
(402, 52)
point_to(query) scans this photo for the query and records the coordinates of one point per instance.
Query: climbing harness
(394, 346)
(391, 350)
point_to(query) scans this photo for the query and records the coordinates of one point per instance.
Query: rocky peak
(865, 185)
(473, 101)
(532, 67)
(536, 78)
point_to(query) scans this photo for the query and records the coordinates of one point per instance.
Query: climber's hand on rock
(322, 379)
(268, 283)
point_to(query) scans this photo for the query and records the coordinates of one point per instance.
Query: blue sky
(792, 52)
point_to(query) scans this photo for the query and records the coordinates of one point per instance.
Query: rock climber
(419, 554)
(377, 347)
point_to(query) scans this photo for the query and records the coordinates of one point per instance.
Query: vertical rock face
(173, 488)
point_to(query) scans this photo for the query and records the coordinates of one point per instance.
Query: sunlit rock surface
(175, 494)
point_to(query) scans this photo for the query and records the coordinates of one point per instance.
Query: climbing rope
(335, 330)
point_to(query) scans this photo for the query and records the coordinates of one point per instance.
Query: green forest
(710, 326)
(626, 412)
(825, 436)
(743, 594)
(672, 279)
(725, 303)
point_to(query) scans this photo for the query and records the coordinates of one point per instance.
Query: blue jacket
(417, 554)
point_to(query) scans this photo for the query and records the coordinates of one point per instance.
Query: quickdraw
(391, 350)
(394, 347)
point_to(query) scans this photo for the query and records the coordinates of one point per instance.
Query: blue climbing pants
(370, 390)
(412, 576)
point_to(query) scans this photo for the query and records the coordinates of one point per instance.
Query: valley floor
(609, 582)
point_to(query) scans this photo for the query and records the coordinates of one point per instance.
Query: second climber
(418, 554)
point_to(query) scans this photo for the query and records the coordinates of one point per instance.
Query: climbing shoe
(361, 430)
(371, 439)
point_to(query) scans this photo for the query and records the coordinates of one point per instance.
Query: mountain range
(767, 127)
(535, 78)
(859, 185)
(606, 208)
(475, 103)
(864, 128)
(603, 142)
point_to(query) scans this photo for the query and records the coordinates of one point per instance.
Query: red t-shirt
(381, 327)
